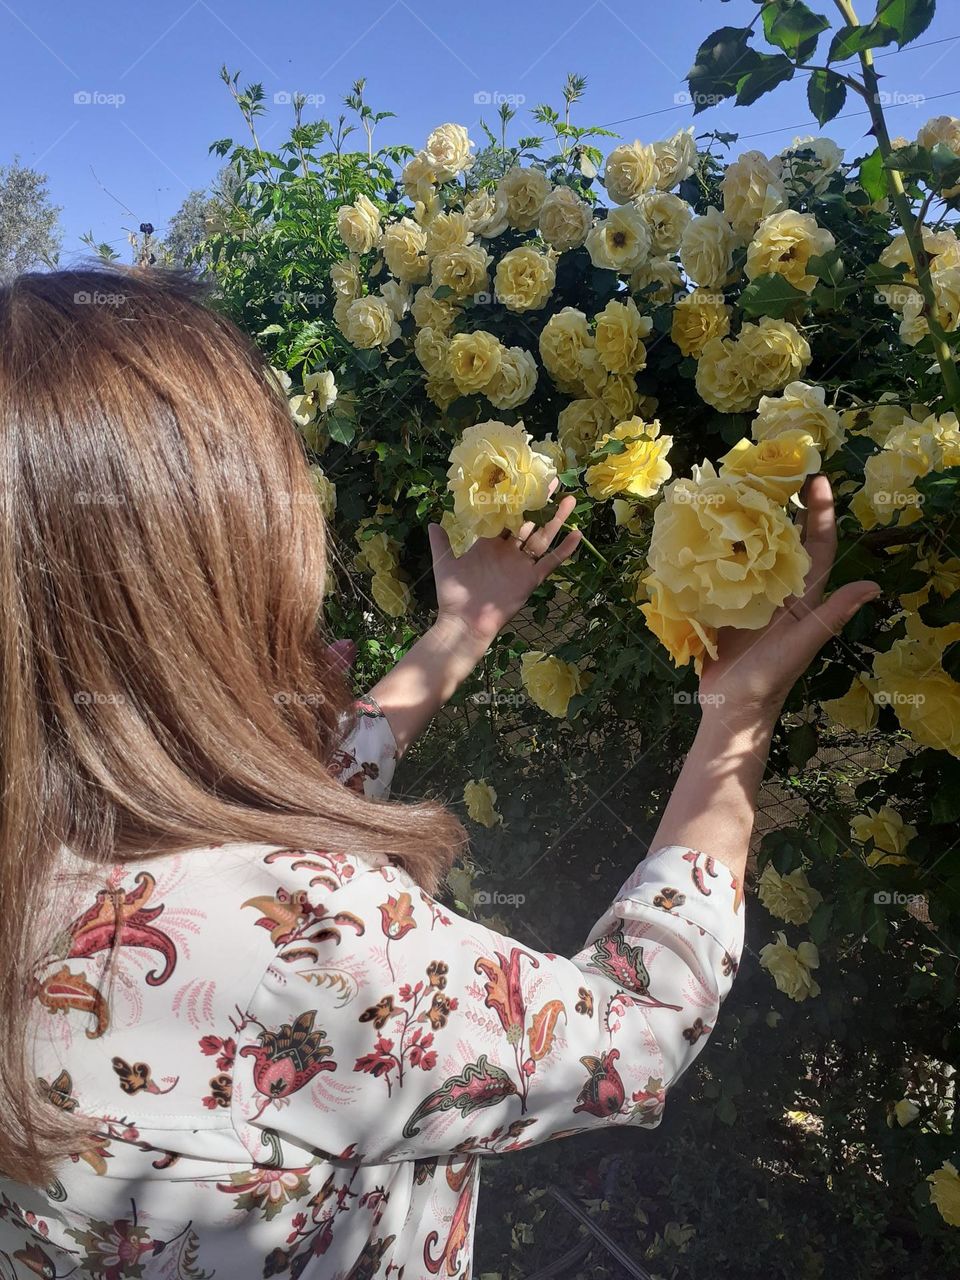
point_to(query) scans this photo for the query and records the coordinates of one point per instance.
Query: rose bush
(680, 334)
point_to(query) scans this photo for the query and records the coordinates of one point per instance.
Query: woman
(241, 1038)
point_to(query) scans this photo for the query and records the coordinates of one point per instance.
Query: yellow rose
(369, 322)
(698, 317)
(431, 349)
(945, 1192)
(729, 555)
(525, 278)
(404, 245)
(886, 830)
(326, 491)
(564, 341)
(552, 451)
(619, 394)
(783, 245)
(912, 449)
(359, 225)
(619, 337)
(789, 897)
(515, 381)
(640, 469)
(418, 177)
(911, 679)
(564, 219)
(495, 477)
(801, 407)
(630, 516)
(904, 1113)
(460, 536)
(550, 681)
(667, 217)
(441, 390)
(752, 189)
(433, 313)
(791, 968)
(579, 426)
(706, 249)
(525, 191)
(777, 467)
(724, 379)
(676, 158)
(621, 242)
(684, 637)
(448, 151)
(448, 231)
(662, 272)
(944, 130)
(319, 396)
(481, 801)
(473, 360)
(487, 213)
(345, 278)
(462, 270)
(378, 551)
(810, 163)
(397, 297)
(946, 291)
(857, 709)
(776, 351)
(392, 595)
(631, 170)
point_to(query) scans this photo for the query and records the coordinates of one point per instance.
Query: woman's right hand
(754, 671)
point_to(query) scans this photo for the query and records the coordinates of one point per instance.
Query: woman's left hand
(483, 589)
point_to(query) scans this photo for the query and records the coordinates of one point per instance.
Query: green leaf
(908, 18)
(342, 430)
(950, 660)
(873, 179)
(939, 491)
(938, 612)
(725, 1111)
(774, 69)
(826, 94)
(794, 28)
(772, 295)
(851, 41)
(945, 804)
(722, 61)
(801, 744)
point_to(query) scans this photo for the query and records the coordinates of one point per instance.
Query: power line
(848, 115)
(928, 44)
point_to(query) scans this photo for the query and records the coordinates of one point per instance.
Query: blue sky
(135, 152)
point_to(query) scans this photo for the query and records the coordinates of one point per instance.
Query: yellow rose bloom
(684, 637)
(390, 594)
(359, 225)
(619, 393)
(432, 349)
(579, 425)
(886, 830)
(441, 390)
(663, 273)
(789, 897)
(495, 477)
(944, 130)
(564, 219)
(525, 191)
(487, 213)
(698, 317)
(911, 679)
(752, 190)
(552, 451)
(801, 407)
(326, 491)
(857, 709)
(319, 396)
(667, 216)
(676, 158)
(433, 313)
(564, 341)
(404, 251)
(783, 245)
(707, 245)
(473, 360)
(525, 278)
(905, 1112)
(729, 555)
(448, 231)
(619, 337)
(345, 278)
(810, 163)
(448, 151)
(620, 242)
(945, 1192)
(418, 176)
(777, 467)
(791, 968)
(481, 801)
(550, 681)
(724, 378)
(515, 381)
(460, 536)
(369, 322)
(631, 170)
(462, 270)
(640, 469)
(776, 350)
(378, 552)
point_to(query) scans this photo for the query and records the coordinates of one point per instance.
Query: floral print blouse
(303, 1055)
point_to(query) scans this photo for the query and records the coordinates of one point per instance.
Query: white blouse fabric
(303, 1056)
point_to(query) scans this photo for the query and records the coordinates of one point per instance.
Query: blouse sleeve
(367, 756)
(400, 1030)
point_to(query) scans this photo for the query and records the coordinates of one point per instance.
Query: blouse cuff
(367, 757)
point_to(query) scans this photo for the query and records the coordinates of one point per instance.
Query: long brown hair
(164, 678)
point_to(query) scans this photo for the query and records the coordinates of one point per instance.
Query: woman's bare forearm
(714, 802)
